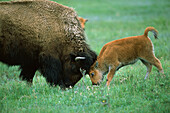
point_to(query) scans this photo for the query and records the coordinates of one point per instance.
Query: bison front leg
(27, 73)
(51, 68)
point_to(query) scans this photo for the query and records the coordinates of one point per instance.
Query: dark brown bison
(44, 36)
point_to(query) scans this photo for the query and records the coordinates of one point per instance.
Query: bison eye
(92, 74)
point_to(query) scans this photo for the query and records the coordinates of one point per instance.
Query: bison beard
(44, 36)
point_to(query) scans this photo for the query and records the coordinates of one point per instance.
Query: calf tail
(154, 31)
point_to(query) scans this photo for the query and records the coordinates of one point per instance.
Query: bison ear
(72, 57)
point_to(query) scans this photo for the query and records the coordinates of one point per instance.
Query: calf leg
(110, 76)
(154, 61)
(157, 64)
(148, 66)
(112, 70)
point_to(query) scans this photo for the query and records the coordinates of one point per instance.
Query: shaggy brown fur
(46, 36)
(119, 53)
(82, 22)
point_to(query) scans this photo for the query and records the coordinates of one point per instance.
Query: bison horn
(80, 58)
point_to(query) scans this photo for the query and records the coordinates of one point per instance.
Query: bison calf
(122, 52)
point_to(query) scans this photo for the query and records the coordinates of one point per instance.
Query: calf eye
(92, 74)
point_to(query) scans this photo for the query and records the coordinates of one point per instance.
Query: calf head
(95, 74)
(82, 22)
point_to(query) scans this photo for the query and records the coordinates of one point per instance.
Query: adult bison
(44, 36)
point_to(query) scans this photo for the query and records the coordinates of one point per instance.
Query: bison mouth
(70, 81)
(68, 85)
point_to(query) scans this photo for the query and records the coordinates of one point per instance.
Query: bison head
(73, 64)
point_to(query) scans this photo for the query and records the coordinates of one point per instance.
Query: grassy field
(129, 92)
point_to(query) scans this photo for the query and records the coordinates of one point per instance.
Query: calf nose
(96, 83)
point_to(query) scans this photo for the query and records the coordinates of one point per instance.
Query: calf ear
(96, 65)
(86, 20)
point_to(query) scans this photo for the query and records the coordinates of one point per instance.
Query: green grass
(129, 92)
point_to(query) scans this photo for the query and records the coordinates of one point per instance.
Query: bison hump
(42, 21)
